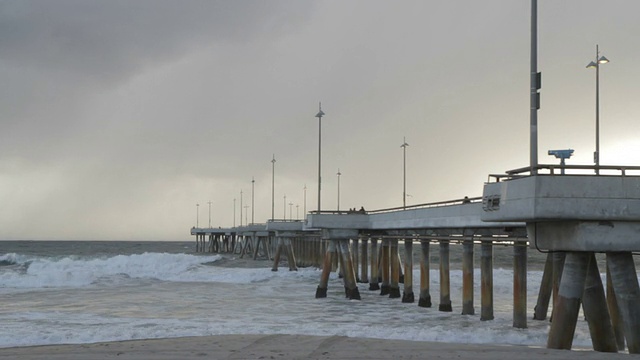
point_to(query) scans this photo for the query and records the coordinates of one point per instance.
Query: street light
(253, 183)
(285, 208)
(304, 209)
(319, 115)
(404, 172)
(240, 207)
(197, 215)
(339, 173)
(273, 176)
(234, 212)
(596, 65)
(290, 211)
(297, 211)
(209, 213)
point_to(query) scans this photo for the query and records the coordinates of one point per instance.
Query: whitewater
(81, 292)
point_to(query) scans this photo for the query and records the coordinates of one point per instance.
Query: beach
(291, 347)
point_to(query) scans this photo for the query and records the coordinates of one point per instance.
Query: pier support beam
(445, 284)
(625, 285)
(546, 289)
(364, 269)
(384, 267)
(348, 271)
(486, 281)
(407, 295)
(425, 278)
(467, 278)
(565, 314)
(321, 291)
(520, 285)
(595, 309)
(394, 284)
(373, 282)
(356, 257)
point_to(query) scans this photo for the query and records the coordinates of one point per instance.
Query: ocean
(64, 292)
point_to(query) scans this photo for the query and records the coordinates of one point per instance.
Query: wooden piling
(595, 309)
(467, 278)
(546, 289)
(407, 295)
(425, 279)
(445, 283)
(321, 291)
(486, 281)
(373, 282)
(625, 286)
(565, 314)
(520, 285)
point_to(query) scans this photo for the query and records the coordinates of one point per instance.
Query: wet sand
(291, 347)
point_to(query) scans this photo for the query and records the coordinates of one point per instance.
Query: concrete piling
(467, 278)
(546, 289)
(349, 272)
(394, 283)
(373, 282)
(486, 280)
(355, 257)
(384, 268)
(625, 286)
(364, 269)
(321, 291)
(407, 295)
(425, 279)
(594, 304)
(291, 258)
(445, 284)
(520, 285)
(565, 314)
(276, 258)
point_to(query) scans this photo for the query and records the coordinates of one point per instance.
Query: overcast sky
(117, 117)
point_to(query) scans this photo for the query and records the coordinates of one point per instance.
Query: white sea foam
(72, 271)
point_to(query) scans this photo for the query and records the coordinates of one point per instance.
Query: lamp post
(253, 183)
(297, 211)
(339, 173)
(404, 172)
(209, 213)
(234, 212)
(240, 207)
(290, 211)
(197, 215)
(284, 214)
(273, 177)
(319, 115)
(596, 65)
(304, 209)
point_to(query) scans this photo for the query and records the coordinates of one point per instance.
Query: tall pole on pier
(319, 115)
(209, 213)
(197, 215)
(253, 183)
(596, 65)
(404, 172)
(240, 207)
(339, 173)
(284, 213)
(246, 213)
(290, 211)
(273, 177)
(297, 211)
(535, 79)
(234, 212)
(304, 209)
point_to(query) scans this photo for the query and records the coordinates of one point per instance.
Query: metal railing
(466, 200)
(568, 170)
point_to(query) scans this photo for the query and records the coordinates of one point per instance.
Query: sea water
(83, 292)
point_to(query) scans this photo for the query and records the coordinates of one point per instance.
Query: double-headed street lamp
(404, 172)
(596, 65)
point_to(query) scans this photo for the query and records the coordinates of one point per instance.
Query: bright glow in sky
(117, 117)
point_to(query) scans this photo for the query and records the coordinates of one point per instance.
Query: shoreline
(291, 347)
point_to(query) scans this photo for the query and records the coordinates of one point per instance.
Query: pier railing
(466, 200)
(572, 170)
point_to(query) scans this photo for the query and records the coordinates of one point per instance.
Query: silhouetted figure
(362, 210)
(466, 200)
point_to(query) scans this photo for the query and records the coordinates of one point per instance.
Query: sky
(118, 117)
